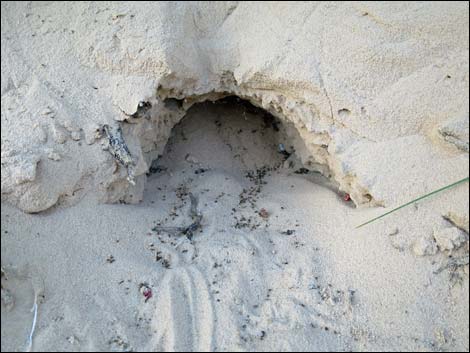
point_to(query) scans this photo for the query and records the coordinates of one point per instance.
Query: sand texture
(188, 176)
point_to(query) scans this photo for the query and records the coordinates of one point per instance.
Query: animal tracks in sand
(21, 288)
(184, 314)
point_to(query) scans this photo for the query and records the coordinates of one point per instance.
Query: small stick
(38, 293)
(189, 230)
(415, 200)
(33, 327)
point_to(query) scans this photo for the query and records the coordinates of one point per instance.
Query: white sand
(326, 286)
(372, 96)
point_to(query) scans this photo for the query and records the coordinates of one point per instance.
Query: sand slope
(300, 279)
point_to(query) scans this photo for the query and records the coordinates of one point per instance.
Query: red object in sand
(347, 197)
(147, 294)
(263, 213)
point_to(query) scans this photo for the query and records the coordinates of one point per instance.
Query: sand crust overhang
(311, 133)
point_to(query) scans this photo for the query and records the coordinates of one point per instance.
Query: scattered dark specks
(301, 171)
(110, 259)
(200, 171)
(156, 169)
(288, 232)
(166, 263)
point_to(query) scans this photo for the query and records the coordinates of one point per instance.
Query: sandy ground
(276, 263)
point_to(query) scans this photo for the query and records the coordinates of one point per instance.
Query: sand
(301, 278)
(190, 175)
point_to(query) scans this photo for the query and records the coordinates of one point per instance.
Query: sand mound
(358, 82)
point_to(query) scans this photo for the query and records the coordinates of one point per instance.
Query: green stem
(415, 200)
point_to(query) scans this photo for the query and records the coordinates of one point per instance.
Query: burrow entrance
(230, 135)
(219, 160)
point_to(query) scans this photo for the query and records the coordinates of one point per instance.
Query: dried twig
(188, 230)
(119, 150)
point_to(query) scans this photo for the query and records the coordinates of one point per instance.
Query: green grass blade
(415, 200)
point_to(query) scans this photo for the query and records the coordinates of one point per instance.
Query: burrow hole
(225, 153)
